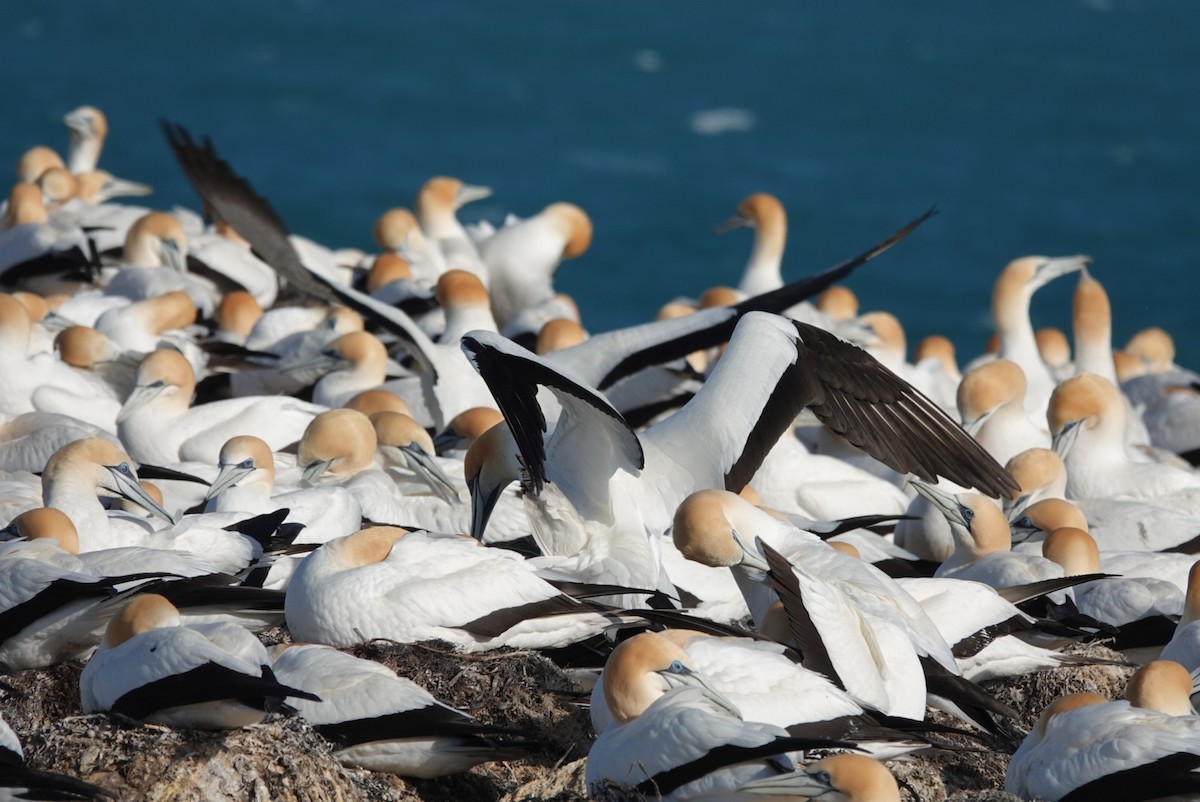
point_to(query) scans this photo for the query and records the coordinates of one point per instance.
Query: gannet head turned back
(839, 778)
(559, 334)
(1017, 283)
(82, 347)
(36, 161)
(25, 206)
(1154, 347)
(1162, 685)
(88, 127)
(47, 523)
(386, 268)
(156, 240)
(340, 442)
(644, 668)
(237, 314)
(705, 529)
(839, 303)
(147, 611)
(1074, 549)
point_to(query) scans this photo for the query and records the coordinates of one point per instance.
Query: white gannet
(151, 668)
(35, 161)
(88, 128)
(1087, 417)
(383, 722)
(157, 425)
(74, 477)
(155, 261)
(765, 214)
(523, 255)
(1184, 646)
(397, 230)
(991, 402)
(1055, 351)
(437, 203)
(386, 582)
(1011, 294)
(686, 743)
(1085, 747)
(629, 483)
(983, 542)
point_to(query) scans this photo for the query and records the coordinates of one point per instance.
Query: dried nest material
(285, 760)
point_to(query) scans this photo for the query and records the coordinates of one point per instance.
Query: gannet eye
(677, 667)
(824, 777)
(125, 469)
(1024, 522)
(248, 462)
(968, 514)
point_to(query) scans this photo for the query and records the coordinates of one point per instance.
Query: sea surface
(1035, 127)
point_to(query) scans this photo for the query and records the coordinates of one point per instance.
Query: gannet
(1085, 747)
(398, 230)
(523, 255)
(1010, 315)
(152, 668)
(633, 482)
(387, 582)
(88, 127)
(991, 403)
(1184, 646)
(687, 743)
(765, 214)
(1087, 419)
(77, 473)
(35, 161)
(436, 205)
(383, 722)
(155, 261)
(157, 425)
(1055, 352)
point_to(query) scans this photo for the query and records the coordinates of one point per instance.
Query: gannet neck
(1091, 316)
(15, 326)
(88, 128)
(764, 213)
(573, 225)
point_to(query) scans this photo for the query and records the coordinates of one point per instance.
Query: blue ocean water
(1054, 128)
